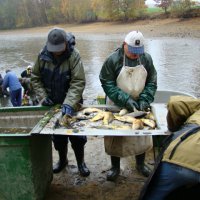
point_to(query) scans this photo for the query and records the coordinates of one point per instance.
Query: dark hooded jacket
(62, 79)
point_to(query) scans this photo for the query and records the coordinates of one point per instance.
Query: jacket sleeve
(77, 84)
(108, 76)
(36, 82)
(151, 82)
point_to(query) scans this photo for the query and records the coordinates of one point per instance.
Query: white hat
(135, 41)
(29, 67)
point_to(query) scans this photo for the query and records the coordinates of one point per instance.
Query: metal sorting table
(159, 111)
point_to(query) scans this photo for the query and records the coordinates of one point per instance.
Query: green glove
(131, 104)
(144, 105)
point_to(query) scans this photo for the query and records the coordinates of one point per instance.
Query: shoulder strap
(184, 137)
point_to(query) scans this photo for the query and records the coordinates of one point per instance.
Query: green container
(101, 99)
(25, 159)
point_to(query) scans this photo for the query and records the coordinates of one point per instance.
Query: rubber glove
(67, 110)
(67, 113)
(131, 104)
(144, 105)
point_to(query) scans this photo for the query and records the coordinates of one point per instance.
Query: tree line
(31, 13)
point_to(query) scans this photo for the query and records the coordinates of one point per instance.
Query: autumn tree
(117, 9)
(164, 4)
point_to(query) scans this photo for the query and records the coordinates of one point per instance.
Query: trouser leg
(78, 143)
(19, 97)
(140, 165)
(113, 173)
(60, 144)
(13, 98)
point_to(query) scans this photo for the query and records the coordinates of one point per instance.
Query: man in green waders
(129, 80)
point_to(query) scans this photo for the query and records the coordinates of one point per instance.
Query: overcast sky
(150, 2)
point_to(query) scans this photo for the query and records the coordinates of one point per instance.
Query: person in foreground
(179, 163)
(58, 78)
(129, 80)
(15, 88)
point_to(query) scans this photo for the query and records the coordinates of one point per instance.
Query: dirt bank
(150, 28)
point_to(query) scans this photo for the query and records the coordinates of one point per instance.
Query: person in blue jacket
(11, 81)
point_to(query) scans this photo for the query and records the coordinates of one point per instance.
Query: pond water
(176, 59)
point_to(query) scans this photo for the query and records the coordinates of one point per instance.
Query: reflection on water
(176, 59)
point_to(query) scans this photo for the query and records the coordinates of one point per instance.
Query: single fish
(124, 118)
(81, 116)
(122, 112)
(150, 116)
(90, 110)
(137, 124)
(67, 121)
(137, 114)
(149, 122)
(108, 117)
(100, 115)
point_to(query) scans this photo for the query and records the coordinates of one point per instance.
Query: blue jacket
(11, 81)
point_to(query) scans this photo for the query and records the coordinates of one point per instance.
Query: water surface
(175, 59)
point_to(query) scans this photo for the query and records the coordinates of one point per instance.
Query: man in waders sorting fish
(129, 80)
(58, 78)
(178, 164)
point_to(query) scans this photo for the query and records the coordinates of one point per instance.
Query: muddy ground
(150, 28)
(68, 185)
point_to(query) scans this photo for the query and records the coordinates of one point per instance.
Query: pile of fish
(107, 119)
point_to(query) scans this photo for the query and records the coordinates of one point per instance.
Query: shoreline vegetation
(170, 27)
(33, 13)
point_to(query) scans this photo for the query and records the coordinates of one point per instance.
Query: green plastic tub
(25, 159)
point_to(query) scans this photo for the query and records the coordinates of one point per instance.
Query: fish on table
(107, 117)
(90, 110)
(137, 120)
(100, 115)
(136, 123)
(149, 122)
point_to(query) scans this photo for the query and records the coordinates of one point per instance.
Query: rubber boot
(140, 165)
(113, 173)
(79, 154)
(62, 162)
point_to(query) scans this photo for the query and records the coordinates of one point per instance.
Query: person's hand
(144, 105)
(67, 110)
(131, 104)
(67, 113)
(47, 102)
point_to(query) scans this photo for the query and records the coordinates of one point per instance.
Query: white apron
(132, 81)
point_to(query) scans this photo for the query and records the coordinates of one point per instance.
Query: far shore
(150, 28)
